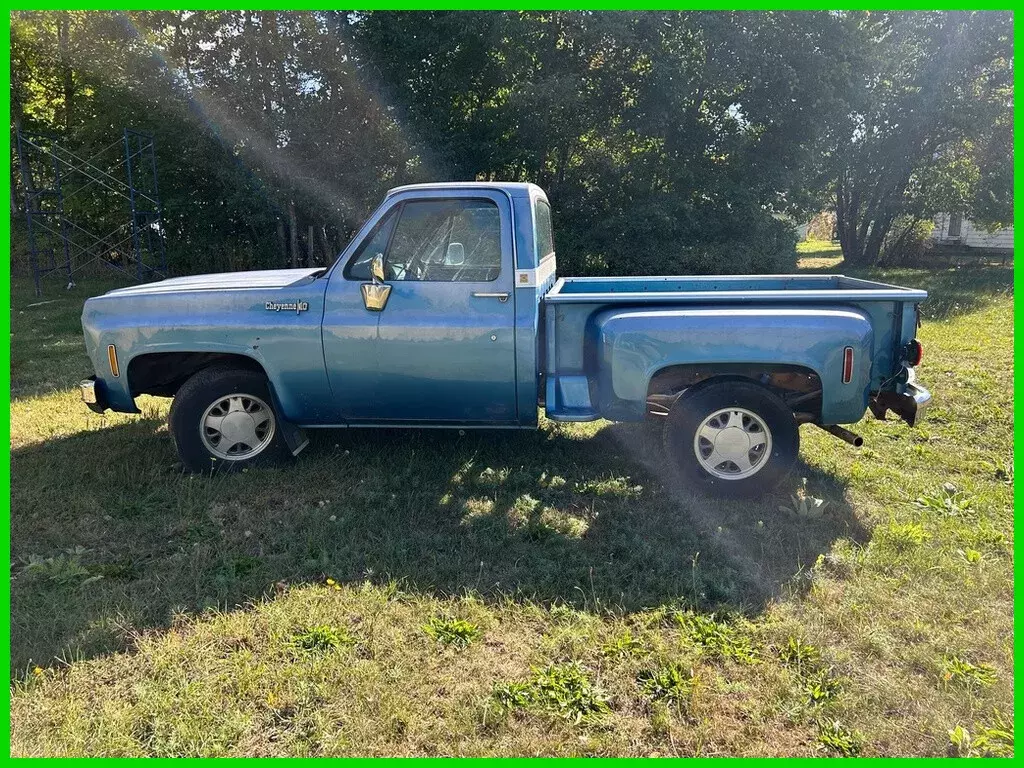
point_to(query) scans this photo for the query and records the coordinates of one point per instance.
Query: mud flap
(294, 437)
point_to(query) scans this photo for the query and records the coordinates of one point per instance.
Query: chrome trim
(502, 297)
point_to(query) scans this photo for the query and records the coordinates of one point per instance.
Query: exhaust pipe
(843, 434)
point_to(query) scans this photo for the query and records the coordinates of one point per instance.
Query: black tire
(692, 411)
(202, 391)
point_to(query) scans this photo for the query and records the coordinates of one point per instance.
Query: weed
(947, 501)
(619, 487)
(321, 639)
(65, 569)
(672, 683)
(449, 631)
(835, 737)
(959, 671)
(986, 741)
(901, 537)
(715, 636)
(563, 690)
(804, 505)
(799, 653)
(623, 646)
(972, 556)
(821, 686)
(511, 696)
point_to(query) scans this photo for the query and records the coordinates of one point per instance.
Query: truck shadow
(110, 538)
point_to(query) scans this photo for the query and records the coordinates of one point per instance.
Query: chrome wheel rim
(733, 444)
(237, 427)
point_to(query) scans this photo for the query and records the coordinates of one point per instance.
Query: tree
(933, 114)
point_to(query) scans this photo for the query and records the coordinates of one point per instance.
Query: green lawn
(549, 592)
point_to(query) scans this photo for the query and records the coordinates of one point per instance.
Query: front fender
(633, 345)
(286, 344)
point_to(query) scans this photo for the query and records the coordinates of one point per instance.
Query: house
(953, 229)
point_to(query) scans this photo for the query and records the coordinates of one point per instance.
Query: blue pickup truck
(445, 311)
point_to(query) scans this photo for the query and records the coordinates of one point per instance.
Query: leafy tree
(931, 128)
(668, 141)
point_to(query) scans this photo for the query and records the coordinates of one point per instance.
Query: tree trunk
(310, 257)
(282, 244)
(293, 233)
(329, 252)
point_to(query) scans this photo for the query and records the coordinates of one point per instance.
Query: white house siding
(972, 235)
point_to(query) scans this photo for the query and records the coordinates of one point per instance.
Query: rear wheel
(733, 438)
(222, 420)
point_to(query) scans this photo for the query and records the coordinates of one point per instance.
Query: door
(350, 330)
(446, 338)
(443, 345)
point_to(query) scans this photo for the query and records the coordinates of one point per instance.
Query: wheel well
(798, 386)
(163, 373)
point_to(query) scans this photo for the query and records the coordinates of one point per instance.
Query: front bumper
(93, 394)
(910, 406)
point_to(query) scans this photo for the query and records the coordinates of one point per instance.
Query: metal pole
(136, 245)
(30, 200)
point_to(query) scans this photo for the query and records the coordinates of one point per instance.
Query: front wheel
(222, 420)
(734, 438)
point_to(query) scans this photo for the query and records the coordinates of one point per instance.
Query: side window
(359, 266)
(542, 234)
(446, 241)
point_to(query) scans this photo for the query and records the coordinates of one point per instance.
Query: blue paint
(439, 356)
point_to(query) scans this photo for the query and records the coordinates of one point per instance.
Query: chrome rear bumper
(910, 406)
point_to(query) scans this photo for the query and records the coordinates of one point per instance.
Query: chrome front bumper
(92, 394)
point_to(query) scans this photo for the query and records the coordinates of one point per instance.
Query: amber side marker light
(847, 365)
(112, 358)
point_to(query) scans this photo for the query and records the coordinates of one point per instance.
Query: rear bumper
(93, 394)
(910, 406)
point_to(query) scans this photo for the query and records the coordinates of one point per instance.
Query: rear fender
(633, 345)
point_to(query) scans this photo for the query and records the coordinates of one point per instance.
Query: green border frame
(633, 5)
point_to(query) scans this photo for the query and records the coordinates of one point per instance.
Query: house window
(954, 225)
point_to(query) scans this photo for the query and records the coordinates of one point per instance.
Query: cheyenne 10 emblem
(287, 306)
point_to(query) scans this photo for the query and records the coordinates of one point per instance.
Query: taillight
(847, 365)
(914, 353)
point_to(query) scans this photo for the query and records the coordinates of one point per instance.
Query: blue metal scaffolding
(54, 181)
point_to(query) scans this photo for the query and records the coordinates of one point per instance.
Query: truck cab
(445, 310)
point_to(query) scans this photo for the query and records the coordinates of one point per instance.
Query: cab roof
(512, 188)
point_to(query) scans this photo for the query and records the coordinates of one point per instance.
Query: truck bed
(725, 288)
(713, 320)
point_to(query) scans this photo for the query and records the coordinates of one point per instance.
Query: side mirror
(377, 268)
(375, 294)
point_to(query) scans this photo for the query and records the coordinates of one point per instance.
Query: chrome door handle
(502, 297)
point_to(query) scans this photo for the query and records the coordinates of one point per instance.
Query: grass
(548, 593)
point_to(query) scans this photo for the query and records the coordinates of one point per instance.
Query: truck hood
(223, 281)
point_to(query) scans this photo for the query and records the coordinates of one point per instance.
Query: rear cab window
(542, 236)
